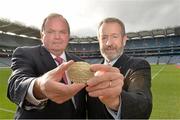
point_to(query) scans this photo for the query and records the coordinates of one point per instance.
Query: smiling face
(111, 40)
(55, 34)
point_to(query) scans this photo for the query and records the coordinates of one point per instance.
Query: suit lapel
(121, 63)
(68, 57)
(47, 59)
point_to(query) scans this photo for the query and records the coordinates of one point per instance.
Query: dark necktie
(59, 60)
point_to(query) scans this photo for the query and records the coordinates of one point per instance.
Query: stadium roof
(152, 33)
(18, 28)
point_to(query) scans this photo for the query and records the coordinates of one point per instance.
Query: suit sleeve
(22, 75)
(136, 94)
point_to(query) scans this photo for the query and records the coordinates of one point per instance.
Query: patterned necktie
(59, 60)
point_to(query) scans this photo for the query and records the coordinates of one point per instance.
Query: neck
(53, 51)
(56, 53)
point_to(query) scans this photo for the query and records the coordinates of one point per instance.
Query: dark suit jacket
(136, 95)
(28, 63)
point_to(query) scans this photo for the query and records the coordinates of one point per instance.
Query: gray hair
(116, 20)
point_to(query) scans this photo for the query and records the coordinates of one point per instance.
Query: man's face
(55, 36)
(111, 41)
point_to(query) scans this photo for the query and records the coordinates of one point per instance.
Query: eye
(49, 31)
(63, 32)
(115, 36)
(104, 37)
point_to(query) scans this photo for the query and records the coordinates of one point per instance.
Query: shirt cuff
(30, 97)
(115, 115)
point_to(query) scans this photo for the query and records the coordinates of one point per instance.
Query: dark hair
(52, 15)
(116, 20)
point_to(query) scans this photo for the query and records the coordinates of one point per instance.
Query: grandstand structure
(159, 46)
(13, 35)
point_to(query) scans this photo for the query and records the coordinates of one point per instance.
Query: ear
(124, 43)
(125, 38)
(41, 34)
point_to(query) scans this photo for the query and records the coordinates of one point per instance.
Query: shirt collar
(111, 62)
(63, 56)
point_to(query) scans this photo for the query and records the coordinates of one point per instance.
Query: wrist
(115, 104)
(38, 94)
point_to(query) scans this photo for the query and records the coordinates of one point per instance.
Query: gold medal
(79, 72)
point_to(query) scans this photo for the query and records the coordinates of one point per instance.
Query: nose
(109, 41)
(57, 35)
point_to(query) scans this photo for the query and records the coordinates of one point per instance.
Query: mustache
(109, 48)
(57, 42)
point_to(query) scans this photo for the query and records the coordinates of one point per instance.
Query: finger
(76, 87)
(106, 84)
(64, 66)
(72, 88)
(106, 76)
(68, 92)
(60, 70)
(102, 67)
(106, 92)
(57, 73)
(65, 90)
(62, 92)
(102, 85)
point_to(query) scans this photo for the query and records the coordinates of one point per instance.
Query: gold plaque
(79, 72)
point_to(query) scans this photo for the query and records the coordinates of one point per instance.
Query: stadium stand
(5, 62)
(13, 35)
(174, 60)
(160, 46)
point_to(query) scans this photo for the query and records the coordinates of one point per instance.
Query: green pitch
(7, 108)
(165, 89)
(166, 92)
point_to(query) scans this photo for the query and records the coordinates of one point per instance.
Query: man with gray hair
(132, 98)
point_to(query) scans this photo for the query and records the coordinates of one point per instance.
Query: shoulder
(138, 63)
(74, 57)
(26, 52)
(27, 49)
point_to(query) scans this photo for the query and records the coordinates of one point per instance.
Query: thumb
(76, 87)
(57, 73)
(63, 67)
